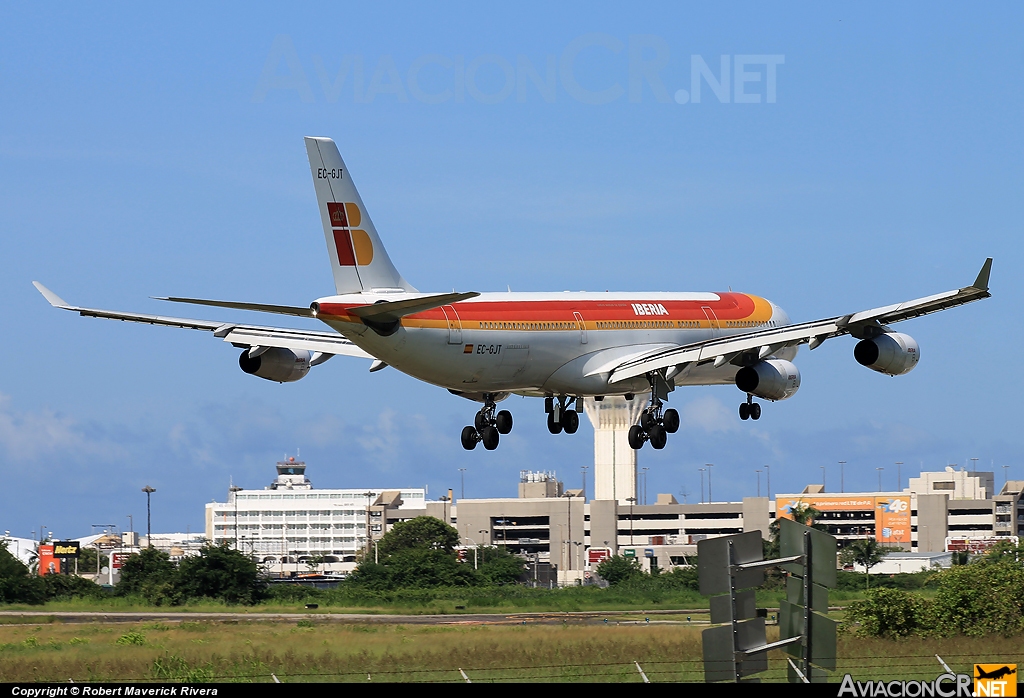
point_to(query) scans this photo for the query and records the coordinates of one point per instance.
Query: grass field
(514, 599)
(251, 650)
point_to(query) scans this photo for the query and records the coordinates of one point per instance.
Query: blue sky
(150, 151)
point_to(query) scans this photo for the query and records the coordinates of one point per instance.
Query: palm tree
(866, 552)
(802, 514)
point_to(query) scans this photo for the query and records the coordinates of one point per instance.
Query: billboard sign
(48, 564)
(595, 556)
(891, 514)
(117, 559)
(66, 548)
(976, 545)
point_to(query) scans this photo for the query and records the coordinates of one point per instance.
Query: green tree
(17, 584)
(618, 569)
(149, 574)
(423, 532)
(866, 552)
(497, 566)
(314, 562)
(802, 514)
(220, 572)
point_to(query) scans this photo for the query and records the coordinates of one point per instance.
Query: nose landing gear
(487, 426)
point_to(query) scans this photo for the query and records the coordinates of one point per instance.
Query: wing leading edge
(764, 343)
(237, 334)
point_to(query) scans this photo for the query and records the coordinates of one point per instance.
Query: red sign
(117, 559)
(597, 555)
(48, 564)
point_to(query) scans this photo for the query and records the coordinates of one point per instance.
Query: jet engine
(892, 354)
(774, 379)
(276, 364)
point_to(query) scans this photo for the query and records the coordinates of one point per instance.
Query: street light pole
(462, 478)
(645, 483)
(709, 466)
(583, 469)
(701, 484)
(899, 476)
(768, 477)
(234, 490)
(758, 483)
(149, 521)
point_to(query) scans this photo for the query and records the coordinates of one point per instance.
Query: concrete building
(951, 509)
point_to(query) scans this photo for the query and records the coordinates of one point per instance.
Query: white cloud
(34, 435)
(709, 414)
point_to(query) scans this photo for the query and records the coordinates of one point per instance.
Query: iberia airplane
(562, 347)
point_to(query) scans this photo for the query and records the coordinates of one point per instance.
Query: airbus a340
(561, 347)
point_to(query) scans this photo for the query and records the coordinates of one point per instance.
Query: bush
(149, 574)
(981, 598)
(219, 572)
(66, 586)
(888, 613)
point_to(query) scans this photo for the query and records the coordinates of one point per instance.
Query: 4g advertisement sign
(891, 514)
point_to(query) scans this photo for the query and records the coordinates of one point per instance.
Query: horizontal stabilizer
(259, 307)
(390, 311)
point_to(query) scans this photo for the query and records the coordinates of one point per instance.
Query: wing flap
(289, 339)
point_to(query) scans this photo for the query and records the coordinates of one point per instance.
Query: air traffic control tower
(614, 460)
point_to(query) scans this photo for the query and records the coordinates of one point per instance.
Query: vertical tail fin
(358, 258)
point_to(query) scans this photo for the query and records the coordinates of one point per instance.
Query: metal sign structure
(801, 615)
(730, 566)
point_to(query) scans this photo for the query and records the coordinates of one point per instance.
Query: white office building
(289, 523)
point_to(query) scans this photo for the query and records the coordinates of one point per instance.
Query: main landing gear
(750, 409)
(560, 416)
(655, 426)
(487, 426)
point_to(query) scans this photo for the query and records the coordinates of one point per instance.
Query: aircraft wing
(325, 343)
(765, 342)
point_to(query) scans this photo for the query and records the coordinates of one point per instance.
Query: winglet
(981, 282)
(51, 297)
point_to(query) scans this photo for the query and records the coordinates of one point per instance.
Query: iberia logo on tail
(353, 245)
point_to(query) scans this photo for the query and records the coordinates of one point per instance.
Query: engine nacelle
(276, 364)
(774, 379)
(892, 354)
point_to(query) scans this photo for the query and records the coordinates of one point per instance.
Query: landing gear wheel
(469, 438)
(553, 426)
(755, 411)
(503, 422)
(658, 436)
(570, 421)
(636, 437)
(489, 435)
(744, 411)
(647, 421)
(670, 421)
(480, 421)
